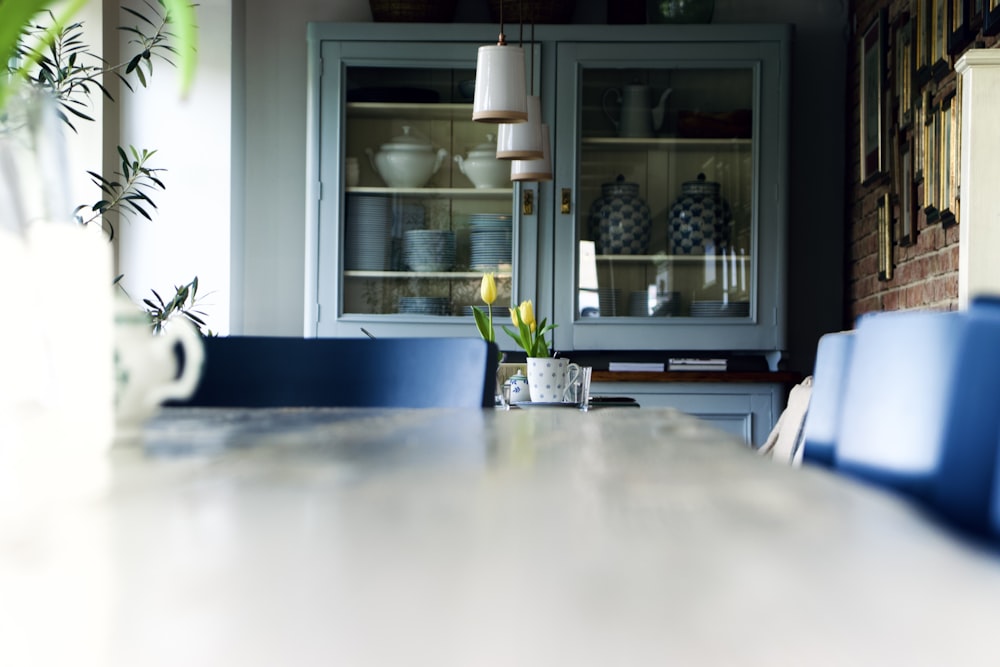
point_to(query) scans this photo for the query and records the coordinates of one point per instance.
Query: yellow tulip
(488, 289)
(527, 314)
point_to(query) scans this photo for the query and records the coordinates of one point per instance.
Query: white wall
(190, 232)
(263, 242)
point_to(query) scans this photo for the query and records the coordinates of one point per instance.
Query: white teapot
(146, 369)
(407, 161)
(482, 166)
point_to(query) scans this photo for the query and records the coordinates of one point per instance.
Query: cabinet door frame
(765, 329)
(333, 48)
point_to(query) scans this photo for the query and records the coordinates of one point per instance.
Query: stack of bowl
(429, 249)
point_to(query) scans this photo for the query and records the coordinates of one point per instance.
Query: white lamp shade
(534, 170)
(501, 95)
(522, 141)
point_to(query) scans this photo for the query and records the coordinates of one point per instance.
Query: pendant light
(523, 141)
(534, 170)
(537, 168)
(500, 91)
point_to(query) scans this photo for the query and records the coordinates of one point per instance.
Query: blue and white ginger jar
(619, 220)
(700, 220)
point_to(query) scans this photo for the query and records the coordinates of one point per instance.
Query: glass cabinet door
(415, 207)
(668, 240)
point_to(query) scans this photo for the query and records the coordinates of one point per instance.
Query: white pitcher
(146, 368)
(637, 117)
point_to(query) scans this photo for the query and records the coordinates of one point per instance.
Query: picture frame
(958, 26)
(922, 100)
(991, 17)
(907, 194)
(922, 43)
(940, 34)
(946, 169)
(872, 89)
(951, 148)
(930, 150)
(903, 69)
(974, 14)
(884, 231)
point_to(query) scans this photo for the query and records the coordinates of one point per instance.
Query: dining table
(302, 537)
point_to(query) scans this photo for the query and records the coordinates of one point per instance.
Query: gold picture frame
(885, 261)
(903, 70)
(907, 195)
(931, 162)
(945, 167)
(991, 18)
(872, 89)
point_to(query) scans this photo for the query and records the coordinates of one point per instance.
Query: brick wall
(925, 273)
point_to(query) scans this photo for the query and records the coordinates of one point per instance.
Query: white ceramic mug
(146, 368)
(548, 378)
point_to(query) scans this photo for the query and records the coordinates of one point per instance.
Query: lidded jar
(619, 220)
(407, 161)
(700, 220)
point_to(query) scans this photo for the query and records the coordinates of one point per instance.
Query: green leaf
(483, 324)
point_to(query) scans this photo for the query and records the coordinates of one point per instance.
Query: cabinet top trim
(487, 32)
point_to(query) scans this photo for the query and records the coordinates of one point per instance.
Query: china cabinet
(662, 230)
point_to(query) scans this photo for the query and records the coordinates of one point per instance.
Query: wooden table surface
(465, 537)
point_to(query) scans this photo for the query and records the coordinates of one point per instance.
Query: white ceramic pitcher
(637, 117)
(146, 368)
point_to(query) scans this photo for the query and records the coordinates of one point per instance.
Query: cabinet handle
(528, 201)
(565, 207)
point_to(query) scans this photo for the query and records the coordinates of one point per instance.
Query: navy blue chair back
(823, 418)
(255, 371)
(921, 411)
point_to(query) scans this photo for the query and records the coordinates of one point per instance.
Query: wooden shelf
(645, 259)
(780, 377)
(426, 275)
(663, 143)
(435, 193)
(410, 110)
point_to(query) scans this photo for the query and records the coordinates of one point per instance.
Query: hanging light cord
(502, 39)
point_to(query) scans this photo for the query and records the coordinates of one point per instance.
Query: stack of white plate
(720, 308)
(608, 298)
(490, 240)
(405, 216)
(429, 249)
(424, 305)
(366, 234)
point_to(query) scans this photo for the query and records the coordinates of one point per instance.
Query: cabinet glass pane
(429, 209)
(666, 181)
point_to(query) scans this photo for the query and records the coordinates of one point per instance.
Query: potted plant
(48, 55)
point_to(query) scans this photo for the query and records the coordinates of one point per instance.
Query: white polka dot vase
(548, 378)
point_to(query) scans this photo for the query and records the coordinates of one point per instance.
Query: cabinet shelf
(426, 275)
(436, 193)
(663, 143)
(645, 259)
(410, 110)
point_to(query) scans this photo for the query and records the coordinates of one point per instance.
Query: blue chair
(822, 420)
(921, 412)
(254, 371)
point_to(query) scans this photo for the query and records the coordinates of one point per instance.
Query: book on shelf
(635, 366)
(697, 365)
